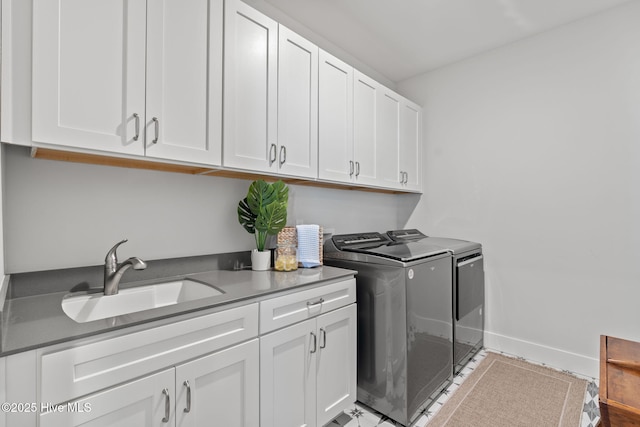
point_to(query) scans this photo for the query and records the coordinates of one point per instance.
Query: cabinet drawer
(84, 369)
(282, 311)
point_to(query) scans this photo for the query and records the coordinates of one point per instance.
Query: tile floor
(361, 416)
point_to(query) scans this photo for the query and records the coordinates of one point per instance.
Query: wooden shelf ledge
(96, 159)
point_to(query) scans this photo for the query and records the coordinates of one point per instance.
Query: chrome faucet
(113, 272)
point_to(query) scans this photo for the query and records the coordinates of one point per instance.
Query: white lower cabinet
(288, 361)
(308, 370)
(138, 403)
(222, 386)
(178, 374)
(336, 365)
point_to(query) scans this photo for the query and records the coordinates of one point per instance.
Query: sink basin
(88, 307)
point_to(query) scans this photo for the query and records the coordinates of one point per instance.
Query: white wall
(278, 15)
(60, 215)
(534, 150)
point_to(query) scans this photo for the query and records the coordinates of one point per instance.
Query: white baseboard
(553, 357)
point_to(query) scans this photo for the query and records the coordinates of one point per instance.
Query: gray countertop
(37, 320)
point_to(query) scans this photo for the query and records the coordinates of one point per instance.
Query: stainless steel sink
(89, 307)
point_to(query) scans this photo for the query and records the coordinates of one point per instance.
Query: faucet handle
(111, 255)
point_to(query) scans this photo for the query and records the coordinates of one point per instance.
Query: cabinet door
(288, 376)
(184, 80)
(335, 119)
(388, 132)
(365, 144)
(223, 386)
(250, 88)
(141, 403)
(89, 74)
(410, 153)
(297, 105)
(336, 363)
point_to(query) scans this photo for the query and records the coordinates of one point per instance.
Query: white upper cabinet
(250, 89)
(184, 80)
(89, 74)
(335, 119)
(130, 77)
(410, 143)
(271, 96)
(365, 120)
(205, 82)
(388, 136)
(368, 134)
(297, 105)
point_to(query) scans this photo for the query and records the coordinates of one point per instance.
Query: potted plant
(263, 213)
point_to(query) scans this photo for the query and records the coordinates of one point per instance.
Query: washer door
(429, 331)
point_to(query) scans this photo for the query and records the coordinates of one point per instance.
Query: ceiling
(404, 38)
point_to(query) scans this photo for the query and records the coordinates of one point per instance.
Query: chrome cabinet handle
(311, 304)
(136, 118)
(188, 386)
(156, 125)
(350, 167)
(357, 169)
(272, 154)
(406, 177)
(315, 348)
(167, 405)
(283, 155)
(323, 338)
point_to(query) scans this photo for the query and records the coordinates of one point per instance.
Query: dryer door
(469, 309)
(469, 286)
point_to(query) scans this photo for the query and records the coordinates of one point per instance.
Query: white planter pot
(260, 260)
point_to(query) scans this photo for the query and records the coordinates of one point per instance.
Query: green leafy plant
(264, 211)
